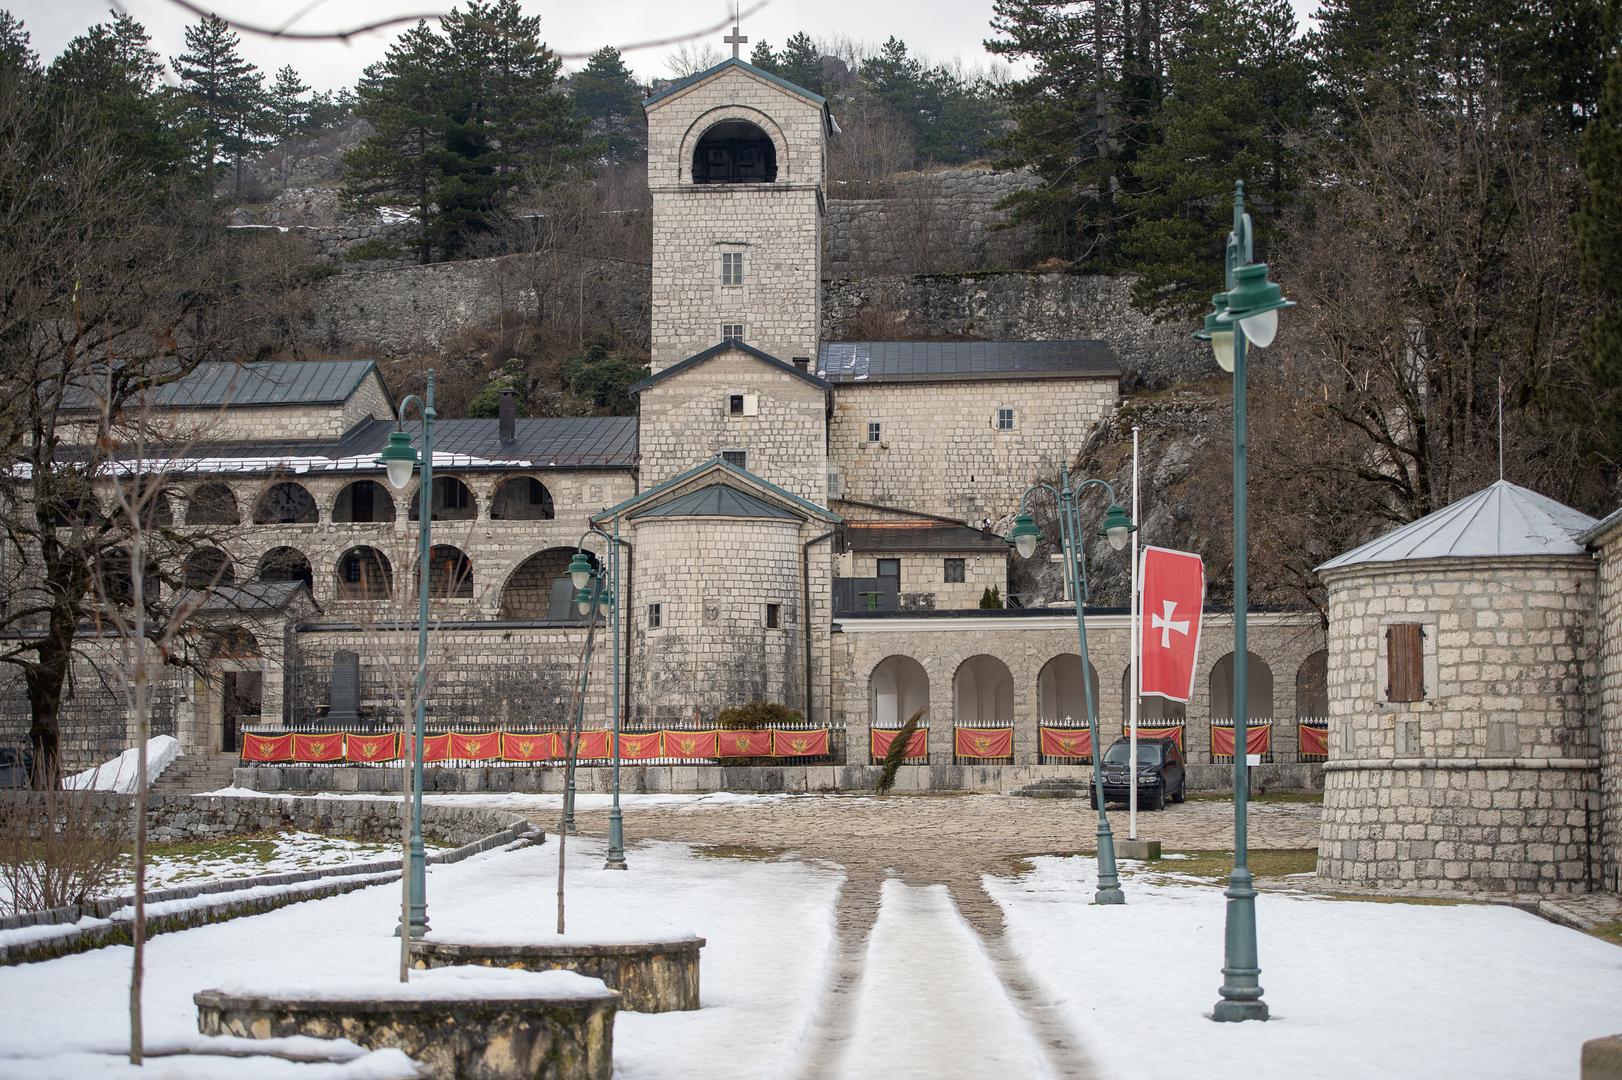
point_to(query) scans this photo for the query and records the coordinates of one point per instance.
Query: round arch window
(735, 152)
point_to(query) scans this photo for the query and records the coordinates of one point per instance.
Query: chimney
(509, 416)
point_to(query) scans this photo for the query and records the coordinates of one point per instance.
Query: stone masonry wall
(1608, 699)
(686, 419)
(923, 574)
(940, 450)
(1483, 783)
(930, 222)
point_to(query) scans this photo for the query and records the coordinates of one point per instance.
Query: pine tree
(608, 102)
(224, 96)
(16, 52)
(763, 58)
(801, 63)
(111, 72)
(289, 113)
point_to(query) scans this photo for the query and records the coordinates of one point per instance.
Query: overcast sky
(940, 29)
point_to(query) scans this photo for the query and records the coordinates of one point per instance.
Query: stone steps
(1055, 789)
(194, 773)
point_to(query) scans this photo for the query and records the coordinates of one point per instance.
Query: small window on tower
(656, 616)
(873, 431)
(732, 331)
(735, 404)
(774, 616)
(731, 268)
(740, 458)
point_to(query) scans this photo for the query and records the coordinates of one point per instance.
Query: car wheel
(1159, 801)
(1182, 791)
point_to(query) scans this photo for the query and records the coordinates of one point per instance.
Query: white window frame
(727, 331)
(875, 431)
(656, 615)
(1006, 412)
(732, 272)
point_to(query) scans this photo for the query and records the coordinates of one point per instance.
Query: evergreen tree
(608, 102)
(763, 58)
(801, 63)
(1239, 90)
(111, 73)
(328, 107)
(224, 96)
(16, 52)
(289, 114)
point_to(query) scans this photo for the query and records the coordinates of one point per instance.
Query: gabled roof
(729, 345)
(1602, 527)
(247, 596)
(733, 62)
(724, 469)
(920, 536)
(218, 385)
(717, 500)
(954, 361)
(1502, 519)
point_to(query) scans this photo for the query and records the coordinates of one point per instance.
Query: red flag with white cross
(1173, 588)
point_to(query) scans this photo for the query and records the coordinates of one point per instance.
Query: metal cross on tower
(734, 39)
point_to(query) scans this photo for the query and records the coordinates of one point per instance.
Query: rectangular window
(732, 330)
(774, 616)
(873, 430)
(655, 616)
(890, 568)
(1405, 662)
(954, 571)
(732, 268)
(740, 458)
(1005, 419)
(735, 404)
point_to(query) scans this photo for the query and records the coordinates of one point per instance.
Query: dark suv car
(1161, 777)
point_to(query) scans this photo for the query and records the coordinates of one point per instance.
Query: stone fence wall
(930, 222)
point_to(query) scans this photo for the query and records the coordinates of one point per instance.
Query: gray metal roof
(845, 362)
(247, 596)
(920, 536)
(717, 500)
(600, 442)
(1503, 519)
(1603, 526)
(271, 382)
(734, 62)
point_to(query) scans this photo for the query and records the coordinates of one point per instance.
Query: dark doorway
(243, 693)
(735, 152)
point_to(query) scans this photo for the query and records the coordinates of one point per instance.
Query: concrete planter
(651, 976)
(567, 1037)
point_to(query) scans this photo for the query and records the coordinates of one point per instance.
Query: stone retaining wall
(925, 222)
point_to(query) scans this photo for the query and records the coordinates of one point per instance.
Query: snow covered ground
(252, 856)
(120, 773)
(1356, 989)
(769, 927)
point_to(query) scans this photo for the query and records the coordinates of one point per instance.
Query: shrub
(758, 714)
(991, 598)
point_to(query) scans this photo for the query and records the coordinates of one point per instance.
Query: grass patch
(736, 851)
(1611, 931)
(1214, 866)
(257, 847)
(1267, 797)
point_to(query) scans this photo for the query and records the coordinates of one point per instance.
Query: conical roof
(1504, 519)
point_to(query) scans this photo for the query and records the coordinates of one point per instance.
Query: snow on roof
(1503, 519)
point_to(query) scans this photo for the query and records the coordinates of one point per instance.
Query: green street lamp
(1247, 312)
(596, 588)
(1117, 528)
(399, 459)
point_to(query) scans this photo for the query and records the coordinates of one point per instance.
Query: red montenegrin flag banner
(591, 745)
(529, 747)
(1258, 739)
(639, 746)
(318, 747)
(1314, 739)
(984, 742)
(800, 743)
(741, 743)
(690, 744)
(917, 746)
(434, 747)
(1174, 732)
(1066, 742)
(371, 747)
(1169, 632)
(267, 747)
(481, 747)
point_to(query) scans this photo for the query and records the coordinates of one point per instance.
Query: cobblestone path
(930, 839)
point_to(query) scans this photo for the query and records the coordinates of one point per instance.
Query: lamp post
(1248, 311)
(399, 459)
(606, 590)
(1117, 527)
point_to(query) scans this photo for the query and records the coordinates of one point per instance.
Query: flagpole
(1135, 674)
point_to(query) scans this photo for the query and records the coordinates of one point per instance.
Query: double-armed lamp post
(1117, 528)
(1247, 312)
(598, 587)
(399, 459)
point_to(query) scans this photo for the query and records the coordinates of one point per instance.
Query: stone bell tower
(735, 167)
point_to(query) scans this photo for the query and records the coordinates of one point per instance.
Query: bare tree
(692, 57)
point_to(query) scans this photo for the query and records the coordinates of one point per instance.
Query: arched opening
(212, 504)
(286, 503)
(982, 692)
(1258, 692)
(898, 687)
(450, 573)
(1152, 709)
(208, 567)
(75, 505)
(364, 573)
(735, 152)
(1312, 687)
(540, 588)
(117, 584)
(452, 501)
(363, 502)
(523, 498)
(285, 564)
(149, 498)
(1058, 688)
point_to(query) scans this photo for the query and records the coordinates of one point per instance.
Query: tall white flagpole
(1134, 674)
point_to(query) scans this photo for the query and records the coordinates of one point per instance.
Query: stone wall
(1608, 696)
(923, 575)
(940, 450)
(1483, 783)
(1018, 307)
(919, 223)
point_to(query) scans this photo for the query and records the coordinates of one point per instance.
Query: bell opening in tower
(735, 152)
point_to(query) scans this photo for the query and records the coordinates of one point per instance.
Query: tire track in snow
(833, 1020)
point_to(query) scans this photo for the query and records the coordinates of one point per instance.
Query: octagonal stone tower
(1463, 741)
(735, 166)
